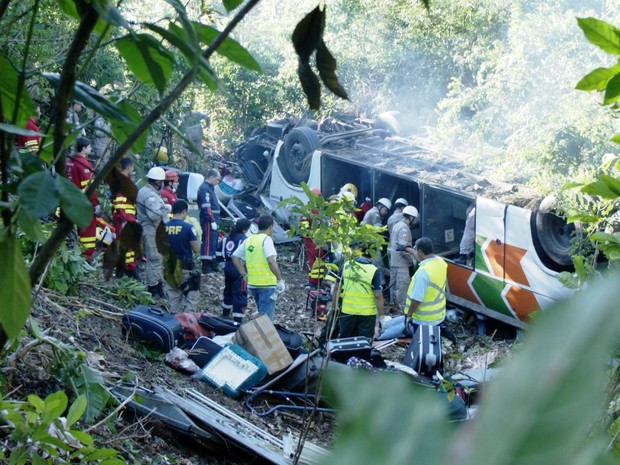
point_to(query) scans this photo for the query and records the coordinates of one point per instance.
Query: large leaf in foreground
(37, 194)
(542, 407)
(14, 288)
(74, 203)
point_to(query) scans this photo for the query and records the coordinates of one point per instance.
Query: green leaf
(121, 129)
(599, 188)
(8, 95)
(12, 129)
(147, 59)
(76, 410)
(55, 405)
(229, 48)
(83, 437)
(543, 410)
(326, 64)
(308, 33)
(110, 14)
(606, 237)
(569, 280)
(601, 34)
(31, 227)
(69, 8)
(36, 402)
(612, 91)
(38, 195)
(14, 288)
(37, 459)
(231, 4)
(616, 139)
(597, 79)
(92, 99)
(611, 182)
(74, 203)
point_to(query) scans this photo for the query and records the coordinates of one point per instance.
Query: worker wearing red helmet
(171, 182)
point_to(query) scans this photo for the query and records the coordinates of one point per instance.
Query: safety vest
(433, 308)
(358, 298)
(259, 273)
(121, 202)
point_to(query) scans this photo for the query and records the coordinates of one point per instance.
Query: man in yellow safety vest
(426, 296)
(261, 271)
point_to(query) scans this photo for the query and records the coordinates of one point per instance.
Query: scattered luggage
(234, 370)
(218, 325)
(291, 340)
(154, 326)
(260, 338)
(192, 330)
(342, 349)
(203, 351)
(424, 352)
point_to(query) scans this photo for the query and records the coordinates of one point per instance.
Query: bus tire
(552, 235)
(299, 145)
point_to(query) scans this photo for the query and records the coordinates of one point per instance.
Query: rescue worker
(359, 287)
(183, 243)
(79, 172)
(314, 254)
(30, 144)
(466, 247)
(123, 212)
(235, 288)
(426, 296)
(263, 275)
(73, 117)
(151, 212)
(397, 215)
(401, 256)
(376, 214)
(171, 182)
(209, 220)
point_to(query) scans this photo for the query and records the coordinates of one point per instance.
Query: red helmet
(172, 175)
(316, 191)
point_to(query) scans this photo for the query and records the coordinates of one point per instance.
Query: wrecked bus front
(519, 247)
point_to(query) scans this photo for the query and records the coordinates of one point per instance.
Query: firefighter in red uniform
(168, 193)
(314, 253)
(123, 212)
(79, 172)
(30, 144)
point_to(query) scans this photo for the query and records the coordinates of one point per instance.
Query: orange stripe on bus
(510, 264)
(522, 301)
(458, 283)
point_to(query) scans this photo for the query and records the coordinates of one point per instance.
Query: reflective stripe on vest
(433, 307)
(259, 273)
(121, 202)
(358, 298)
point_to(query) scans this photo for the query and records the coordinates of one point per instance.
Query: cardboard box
(260, 338)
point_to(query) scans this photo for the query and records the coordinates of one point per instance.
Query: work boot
(226, 313)
(157, 291)
(207, 267)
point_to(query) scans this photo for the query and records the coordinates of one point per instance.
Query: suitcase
(203, 350)
(152, 325)
(218, 325)
(341, 350)
(424, 352)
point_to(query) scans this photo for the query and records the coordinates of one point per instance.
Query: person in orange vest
(79, 172)
(168, 193)
(30, 144)
(123, 212)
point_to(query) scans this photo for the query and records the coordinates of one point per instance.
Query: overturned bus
(520, 244)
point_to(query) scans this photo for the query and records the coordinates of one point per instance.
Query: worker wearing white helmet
(151, 211)
(375, 215)
(401, 256)
(398, 213)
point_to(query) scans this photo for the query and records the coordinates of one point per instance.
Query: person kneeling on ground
(235, 288)
(362, 297)
(183, 243)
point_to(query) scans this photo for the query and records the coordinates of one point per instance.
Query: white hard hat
(156, 174)
(411, 211)
(401, 201)
(385, 202)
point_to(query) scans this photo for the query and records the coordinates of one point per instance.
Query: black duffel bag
(218, 325)
(292, 341)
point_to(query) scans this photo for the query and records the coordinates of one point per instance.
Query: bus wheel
(299, 146)
(551, 235)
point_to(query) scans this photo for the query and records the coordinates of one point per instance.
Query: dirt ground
(91, 323)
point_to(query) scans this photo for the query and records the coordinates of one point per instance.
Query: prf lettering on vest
(173, 230)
